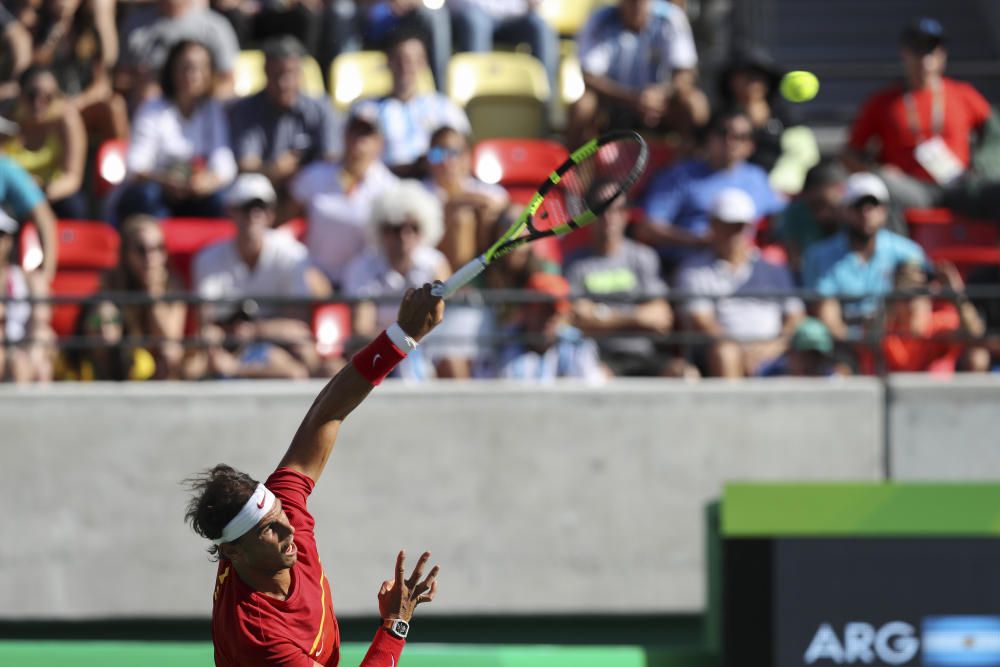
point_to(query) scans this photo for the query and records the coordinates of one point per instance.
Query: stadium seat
(75, 283)
(517, 163)
(567, 16)
(83, 245)
(184, 237)
(948, 237)
(331, 328)
(504, 94)
(109, 169)
(250, 77)
(362, 74)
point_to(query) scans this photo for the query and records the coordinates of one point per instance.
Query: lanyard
(937, 112)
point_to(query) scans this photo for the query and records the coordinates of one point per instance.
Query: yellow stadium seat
(504, 94)
(250, 77)
(567, 16)
(361, 74)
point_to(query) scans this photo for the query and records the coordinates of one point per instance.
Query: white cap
(248, 188)
(734, 206)
(864, 184)
(8, 225)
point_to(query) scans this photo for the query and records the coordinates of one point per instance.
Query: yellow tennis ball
(799, 86)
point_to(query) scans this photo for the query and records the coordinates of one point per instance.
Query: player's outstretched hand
(420, 312)
(399, 597)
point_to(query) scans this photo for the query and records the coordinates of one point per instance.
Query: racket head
(579, 190)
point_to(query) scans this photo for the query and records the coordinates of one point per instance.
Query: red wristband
(377, 359)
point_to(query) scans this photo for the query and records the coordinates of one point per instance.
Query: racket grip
(460, 278)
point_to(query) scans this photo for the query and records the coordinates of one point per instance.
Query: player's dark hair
(168, 86)
(827, 172)
(219, 494)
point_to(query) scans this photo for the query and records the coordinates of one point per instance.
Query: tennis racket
(573, 196)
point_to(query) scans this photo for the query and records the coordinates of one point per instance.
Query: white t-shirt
(338, 219)
(163, 139)
(219, 272)
(18, 313)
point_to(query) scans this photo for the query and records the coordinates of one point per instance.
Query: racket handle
(460, 278)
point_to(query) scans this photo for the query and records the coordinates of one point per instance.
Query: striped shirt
(407, 126)
(498, 9)
(637, 60)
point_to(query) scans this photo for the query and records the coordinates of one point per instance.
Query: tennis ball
(799, 86)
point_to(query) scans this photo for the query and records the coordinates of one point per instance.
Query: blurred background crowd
(197, 189)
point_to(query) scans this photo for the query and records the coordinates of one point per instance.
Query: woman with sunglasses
(51, 143)
(144, 270)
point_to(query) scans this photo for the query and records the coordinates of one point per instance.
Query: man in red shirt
(918, 132)
(272, 604)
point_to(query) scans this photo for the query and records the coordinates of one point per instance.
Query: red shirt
(905, 353)
(250, 629)
(884, 118)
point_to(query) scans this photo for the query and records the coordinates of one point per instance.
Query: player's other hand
(399, 597)
(420, 312)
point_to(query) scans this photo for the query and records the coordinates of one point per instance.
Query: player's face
(269, 547)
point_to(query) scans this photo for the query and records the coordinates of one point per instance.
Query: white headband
(252, 512)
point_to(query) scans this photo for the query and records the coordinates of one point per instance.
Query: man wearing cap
(810, 354)
(858, 262)
(919, 131)
(272, 602)
(258, 262)
(278, 130)
(725, 284)
(337, 197)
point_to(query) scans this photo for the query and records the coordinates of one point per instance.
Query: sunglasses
(439, 154)
(97, 320)
(147, 250)
(864, 203)
(398, 230)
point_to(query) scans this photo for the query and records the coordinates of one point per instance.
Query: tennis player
(272, 602)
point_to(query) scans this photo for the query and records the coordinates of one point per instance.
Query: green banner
(861, 509)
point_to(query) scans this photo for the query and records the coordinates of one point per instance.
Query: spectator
(382, 19)
(810, 354)
(745, 331)
(858, 262)
(406, 226)
(278, 131)
(639, 66)
(406, 116)
(15, 57)
(77, 40)
(144, 270)
(783, 147)
(476, 23)
(101, 353)
(922, 128)
(987, 279)
(52, 143)
(256, 23)
(471, 207)
(679, 198)
(543, 345)
(150, 38)
(179, 159)
(340, 31)
(337, 198)
(920, 337)
(251, 339)
(26, 339)
(24, 199)
(813, 215)
(617, 268)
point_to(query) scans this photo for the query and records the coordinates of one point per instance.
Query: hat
(553, 285)
(923, 34)
(8, 225)
(248, 188)
(812, 336)
(363, 117)
(864, 184)
(734, 206)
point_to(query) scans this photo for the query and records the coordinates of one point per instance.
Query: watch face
(401, 628)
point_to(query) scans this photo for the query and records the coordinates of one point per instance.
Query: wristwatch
(397, 627)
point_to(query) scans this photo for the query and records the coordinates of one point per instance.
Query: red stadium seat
(518, 163)
(661, 154)
(79, 283)
(83, 244)
(331, 329)
(184, 237)
(109, 167)
(948, 237)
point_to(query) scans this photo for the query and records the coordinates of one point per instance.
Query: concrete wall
(544, 500)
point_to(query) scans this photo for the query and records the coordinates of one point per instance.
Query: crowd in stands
(740, 253)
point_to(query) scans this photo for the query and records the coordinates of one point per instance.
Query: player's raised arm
(419, 312)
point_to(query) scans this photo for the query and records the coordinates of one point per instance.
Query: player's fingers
(418, 570)
(429, 595)
(400, 567)
(386, 587)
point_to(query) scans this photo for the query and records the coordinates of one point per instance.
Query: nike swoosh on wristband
(260, 505)
(375, 359)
